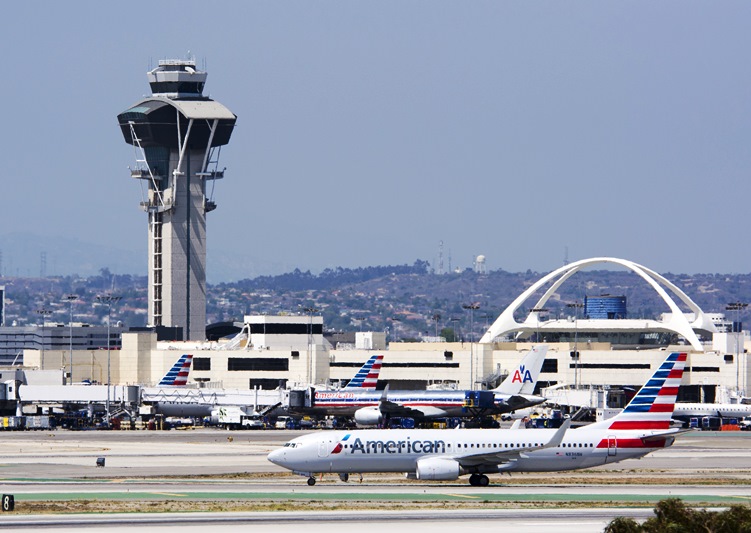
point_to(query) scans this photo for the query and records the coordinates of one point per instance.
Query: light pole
(44, 313)
(395, 321)
(576, 306)
(737, 307)
(109, 300)
(456, 327)
(471, 307)
(436, 319)
(71, 298)
(310, 311)
(537, 311)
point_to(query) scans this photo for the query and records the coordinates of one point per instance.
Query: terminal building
(292, 351)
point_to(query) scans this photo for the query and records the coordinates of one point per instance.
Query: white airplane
(724, 410)
(430, 454)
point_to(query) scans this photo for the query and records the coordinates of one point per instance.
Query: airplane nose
(276, 457)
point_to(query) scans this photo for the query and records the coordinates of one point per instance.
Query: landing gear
(479, 480)
(344, 476)
(311, 481)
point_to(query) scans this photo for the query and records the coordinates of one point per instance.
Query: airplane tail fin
(367, 376)
(178, 374)
(652, 407)
(524, 378)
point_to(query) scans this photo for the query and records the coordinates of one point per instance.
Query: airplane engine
(438, 469)
(368, 416)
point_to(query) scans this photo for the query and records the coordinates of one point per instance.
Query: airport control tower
(177, 134)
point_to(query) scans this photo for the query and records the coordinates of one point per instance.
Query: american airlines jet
(429, 454)
(183, 401)
(370, 408)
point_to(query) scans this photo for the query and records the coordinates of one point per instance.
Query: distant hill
(410, 299)
(21, 256)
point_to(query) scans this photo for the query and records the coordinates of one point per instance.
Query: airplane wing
(518, 401)
(393, 409)
(506, 455)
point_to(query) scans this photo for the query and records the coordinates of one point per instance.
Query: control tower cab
(177, 135)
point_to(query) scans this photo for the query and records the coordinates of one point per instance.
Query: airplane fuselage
(362, 451)
(725, 410)
(431, 404)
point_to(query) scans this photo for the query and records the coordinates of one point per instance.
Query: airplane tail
(652, 407)
(524, 378)
(178, 374)
(367, 376)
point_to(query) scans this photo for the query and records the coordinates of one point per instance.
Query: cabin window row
(516, 445)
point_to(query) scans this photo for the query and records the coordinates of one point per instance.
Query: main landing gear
(479, 480)
(344, 476)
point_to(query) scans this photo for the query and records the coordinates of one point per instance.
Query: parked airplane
(724, 410)
(181, 401)
(371, 408)
(177, 376)
(430, 454)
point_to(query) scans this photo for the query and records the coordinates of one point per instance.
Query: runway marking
(463, 496)
(169, 494)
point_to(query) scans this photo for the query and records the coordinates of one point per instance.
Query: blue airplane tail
(178, 374)
(367, 376)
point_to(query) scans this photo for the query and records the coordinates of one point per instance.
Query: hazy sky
(368, 132)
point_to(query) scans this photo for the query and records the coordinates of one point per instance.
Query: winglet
(385, 393)
(557, 437)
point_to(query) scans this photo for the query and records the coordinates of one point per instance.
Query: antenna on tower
(565, 255)
(440, 258)
(43, 265)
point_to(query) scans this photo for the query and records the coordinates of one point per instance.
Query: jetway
(183, 401)
(79, 394)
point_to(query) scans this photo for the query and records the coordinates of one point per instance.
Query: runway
(531, 520)
(209, 470)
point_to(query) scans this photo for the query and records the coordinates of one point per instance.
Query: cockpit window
(291, 445)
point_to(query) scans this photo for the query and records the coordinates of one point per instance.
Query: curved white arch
(678, 323)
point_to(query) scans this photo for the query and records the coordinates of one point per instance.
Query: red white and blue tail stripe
(178, 374)
(652, 407)
(367, 376)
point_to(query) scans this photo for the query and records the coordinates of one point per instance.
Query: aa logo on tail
(522, 375)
